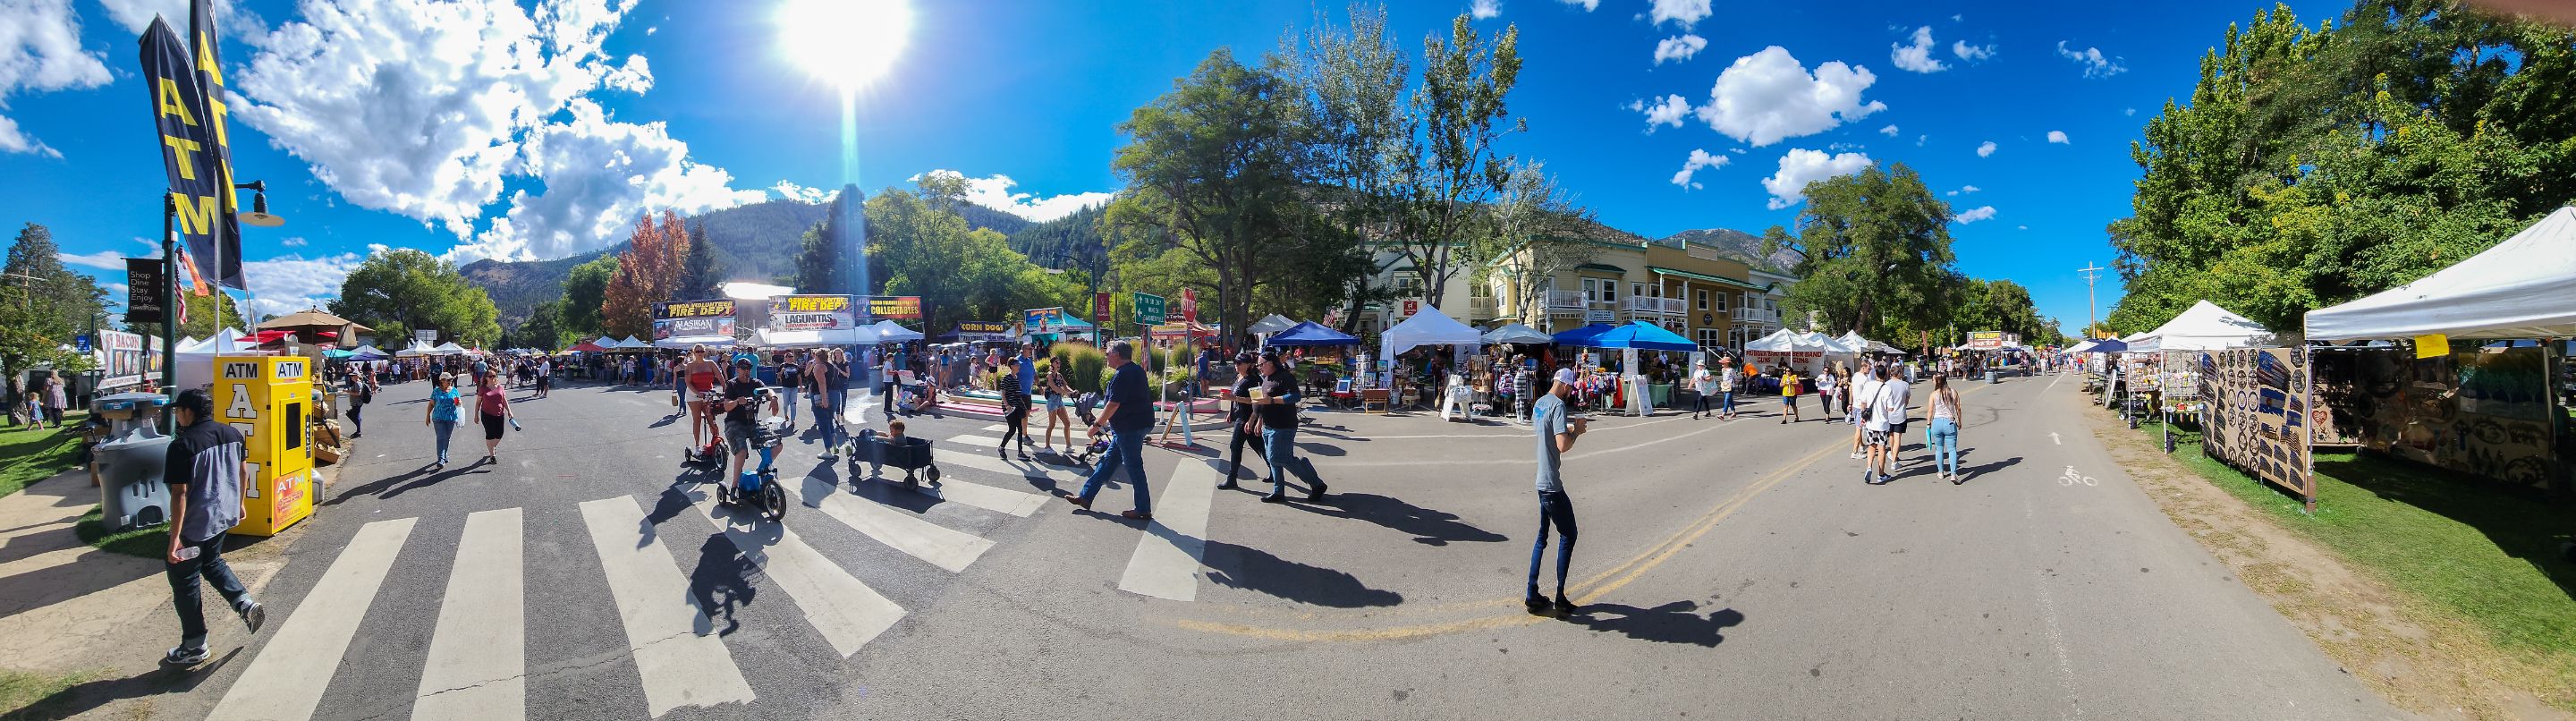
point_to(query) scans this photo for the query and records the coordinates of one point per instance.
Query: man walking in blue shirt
(1129, 416)
(1556, 435)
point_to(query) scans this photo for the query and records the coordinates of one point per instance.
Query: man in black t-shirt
(1245, 379)
(742, 414)
(1128, 417)
(1276, 415)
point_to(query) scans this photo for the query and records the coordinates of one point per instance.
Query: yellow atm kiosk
(268, 399)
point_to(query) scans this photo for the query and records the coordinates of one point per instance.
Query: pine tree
(700, 273)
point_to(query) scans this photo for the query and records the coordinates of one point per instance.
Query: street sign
(1149, 309)
(80, 343)
(1599, 316)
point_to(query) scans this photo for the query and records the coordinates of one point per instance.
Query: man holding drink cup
(1556, 435)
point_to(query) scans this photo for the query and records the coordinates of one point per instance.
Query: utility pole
(2091, 272)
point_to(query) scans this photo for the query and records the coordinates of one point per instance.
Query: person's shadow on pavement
(1675, 622)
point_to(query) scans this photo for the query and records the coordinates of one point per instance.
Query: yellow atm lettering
(172, 102)
(186, 150)
(199, 219)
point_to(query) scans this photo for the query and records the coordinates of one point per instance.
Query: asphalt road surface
(1727, 569)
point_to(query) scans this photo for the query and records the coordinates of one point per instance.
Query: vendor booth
(1635, 394)
(1807, 353)
(2448, 391)
(1430, 328)
(889, 332)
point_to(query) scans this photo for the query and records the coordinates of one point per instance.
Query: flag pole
(169, 299)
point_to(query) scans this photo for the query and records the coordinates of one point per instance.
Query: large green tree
(1457, 163)
(2315, 165)
(585, 292)
(960, 272)
(1216, 170)
(700, 272)
(399, 291)
(1874, 254)
(822, 263)
(46, 305)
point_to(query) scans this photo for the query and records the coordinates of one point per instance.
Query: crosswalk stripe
(1166, 562)
(846, 611)
(991, 498)
(941, 546)
(286, 680)
(478, 657)
(682, 661)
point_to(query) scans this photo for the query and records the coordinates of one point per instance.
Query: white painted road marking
(676, 651)
(286, 679)
(2052, 436)
(846, 611)
(478, 659)
(1166, 562)
(949, 549)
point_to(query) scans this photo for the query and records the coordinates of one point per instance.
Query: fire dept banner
(693, 309)
(812, 312)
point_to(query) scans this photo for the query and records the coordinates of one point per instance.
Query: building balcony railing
(1568, 299)
(1480, 308)
(1651, 304)
(1756, 315)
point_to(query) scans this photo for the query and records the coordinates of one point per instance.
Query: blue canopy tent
(1308, 333)
(1643, 336)
(1582, 337)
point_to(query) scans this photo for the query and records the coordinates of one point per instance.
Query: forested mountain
(756, 242)
(1070, 242)
(1739, 245)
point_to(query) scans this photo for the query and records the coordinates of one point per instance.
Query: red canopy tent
(586, 347)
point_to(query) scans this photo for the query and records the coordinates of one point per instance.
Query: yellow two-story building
(1693, 290)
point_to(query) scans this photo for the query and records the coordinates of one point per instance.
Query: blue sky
(371, 128)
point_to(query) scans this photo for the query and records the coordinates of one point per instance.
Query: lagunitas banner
(898, 307)
(812, 312)
(693, 309)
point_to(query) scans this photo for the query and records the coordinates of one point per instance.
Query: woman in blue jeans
(441, 415)
(1944, 408)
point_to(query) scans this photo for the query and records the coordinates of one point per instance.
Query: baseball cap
(1565, 376)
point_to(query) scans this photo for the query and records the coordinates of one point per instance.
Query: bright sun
(844, 42)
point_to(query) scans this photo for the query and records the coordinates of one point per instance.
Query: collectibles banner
(2254, 414)
(898, 307)
(693, 309)
(668, 328)
(200, 184)
(143, 290)
(812, 312)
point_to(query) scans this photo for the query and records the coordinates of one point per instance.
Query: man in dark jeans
(1276, 414)
(1244, 435)
(1556, 435)
(205, 469)
(1128, 418)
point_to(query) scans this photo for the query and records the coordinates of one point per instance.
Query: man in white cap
(1556, 435)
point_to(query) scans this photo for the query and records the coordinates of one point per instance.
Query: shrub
(1083, 364)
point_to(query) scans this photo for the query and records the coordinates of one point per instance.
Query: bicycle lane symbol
(2071, 478)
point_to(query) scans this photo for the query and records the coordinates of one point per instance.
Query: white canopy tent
(862, 335)
(1272, 323)
(685, 342)
(1427, 327)
(2204, 326)
(1853, 340)
(196, 367)
(633, 343)
(2524, 287)
(889, 332)
(1810, 353)
(448, 348)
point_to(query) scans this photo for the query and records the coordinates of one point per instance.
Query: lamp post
(258, 216)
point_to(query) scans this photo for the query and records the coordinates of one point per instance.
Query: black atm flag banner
(143, 290)
(197, 187)
(219, 155)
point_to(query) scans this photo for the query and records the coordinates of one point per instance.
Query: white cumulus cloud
(1889, 131)
(1801, 166)
(2094, 63)
(1588, 5)
(1768, 96)
(790, 190)
(103, 260)
(279, 286)
(1985, 149)
(1982, 212)
(424, 107)
(1971, 53)
(2058, 137)
(1668, 111)
(1917, 56)
(1679, 48)
(1698, 159)
(1686, 12)
(1484, 9)
(995, 192)
(40, 51)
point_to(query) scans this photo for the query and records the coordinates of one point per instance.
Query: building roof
(1703, 276)
(1603, 267)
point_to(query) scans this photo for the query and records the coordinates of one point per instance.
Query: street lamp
(259, 214)
(258, 217)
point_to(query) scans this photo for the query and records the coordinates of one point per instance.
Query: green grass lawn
(34, 695)
(30, 456)
(148, 542)
(2468, 547)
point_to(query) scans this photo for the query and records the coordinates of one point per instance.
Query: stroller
(1082, 408)
(908, 453)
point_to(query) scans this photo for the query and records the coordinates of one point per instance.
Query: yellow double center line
(1588, 591)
